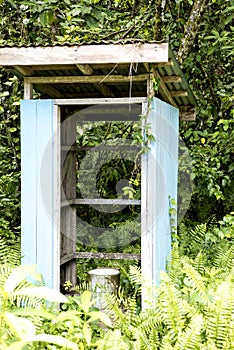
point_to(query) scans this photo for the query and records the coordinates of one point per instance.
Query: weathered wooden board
(100, 201)
(166, 94)
(40, 202)
(86, 79)
(96, 101)
(84, 54)
(68, 191)
(98, 255)
(159, 185)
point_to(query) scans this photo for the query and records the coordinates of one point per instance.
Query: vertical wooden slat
(28, 182)
(39, 185)
(161, 166)
(44, 192)
(146, 239)
(68, 213)
(28, 89)
(56, 193)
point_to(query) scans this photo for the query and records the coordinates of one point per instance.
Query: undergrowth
(191, 309)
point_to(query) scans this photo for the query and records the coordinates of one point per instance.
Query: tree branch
(158, 21)
(191, 28)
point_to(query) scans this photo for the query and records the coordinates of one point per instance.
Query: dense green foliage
(194, 307)
(191, 309)
(207, 62)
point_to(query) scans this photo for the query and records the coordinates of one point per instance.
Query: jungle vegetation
(193, 308)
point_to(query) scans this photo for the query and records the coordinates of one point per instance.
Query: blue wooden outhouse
(60, 81)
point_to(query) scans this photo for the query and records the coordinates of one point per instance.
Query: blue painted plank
(163, 172)
(39, 156)
(28, 182)
(45, 225)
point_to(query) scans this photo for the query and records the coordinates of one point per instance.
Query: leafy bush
(23, 309)
(30, 318)
(191, 309)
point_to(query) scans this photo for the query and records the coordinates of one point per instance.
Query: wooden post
(28, 89)
(68, 192)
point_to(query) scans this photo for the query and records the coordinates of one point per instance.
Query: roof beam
(172, 79)
(54, 67)
(86, 69)
(169, 63)
(179, 93)
(163, 90)
(98, 94)
(106, 92)
(84, 54)
(25, 71)
(87, 79)
(51, 91)
(187, 113)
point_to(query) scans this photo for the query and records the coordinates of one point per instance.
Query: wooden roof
(102, 70)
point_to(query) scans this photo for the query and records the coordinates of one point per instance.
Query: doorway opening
(101, 148)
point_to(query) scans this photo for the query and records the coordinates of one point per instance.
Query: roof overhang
(102, 70)
(85, 54)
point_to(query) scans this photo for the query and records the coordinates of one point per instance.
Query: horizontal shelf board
(101, 201)
(102, 148)
(98, 255)
(95, 101)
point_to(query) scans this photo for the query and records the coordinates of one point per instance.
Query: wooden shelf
(101, 148)
(100, 201)
(98, 255)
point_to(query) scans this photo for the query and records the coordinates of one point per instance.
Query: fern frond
(197, 234)
(113, 340)
(9, 252)
(220, 315)
(112, 306)
(224, 257)
(191, 240)
(135, 274)
(195, 281)
(166, 343)
(148, 330)
(200, 263)
(149, 341)
(133, 248)
(172, 309)
(131, 309)
(174, 263)
(190, 338)
(5, 271)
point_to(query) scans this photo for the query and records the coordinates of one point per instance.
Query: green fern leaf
(220, 316)
(9, 252)
(190, 339)
(225, 257)
(173, 310)
(196, 282)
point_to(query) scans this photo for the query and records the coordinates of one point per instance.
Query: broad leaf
(98, 315)
(45, 293)
(22, 327)
(18, 275)
(53, 339)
